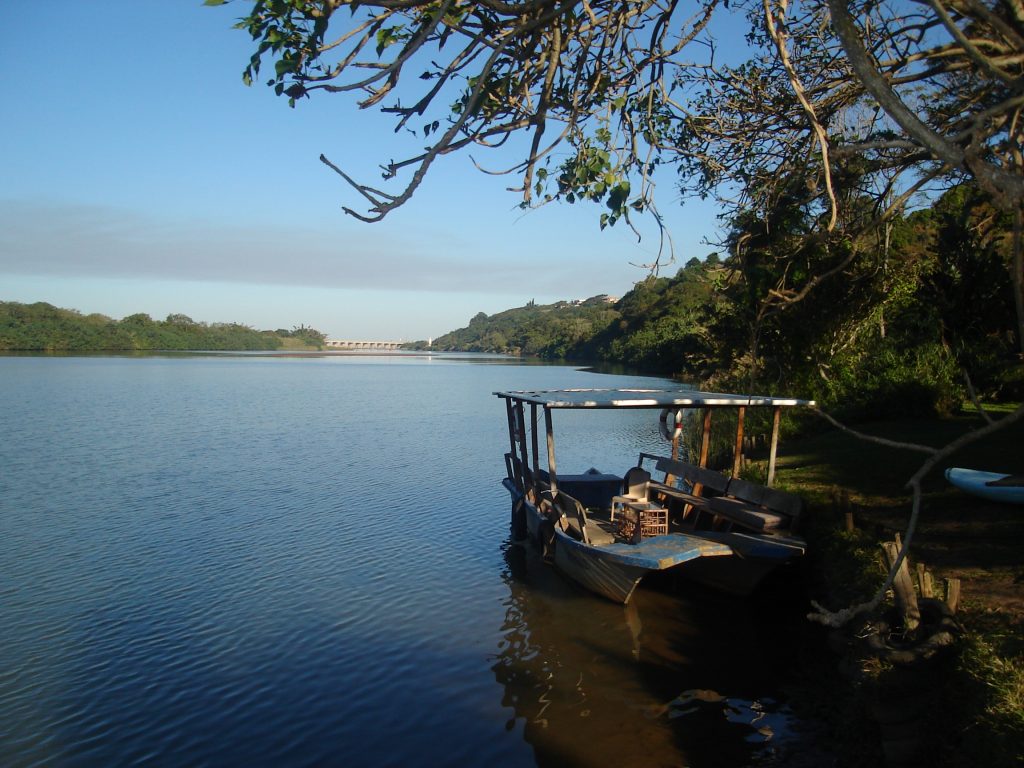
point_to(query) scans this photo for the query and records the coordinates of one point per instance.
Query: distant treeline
(928, 299)
(44, 327)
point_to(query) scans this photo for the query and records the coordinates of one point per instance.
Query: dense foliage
(549, 331)
(42, 326)
(895, 331)
(582, 100)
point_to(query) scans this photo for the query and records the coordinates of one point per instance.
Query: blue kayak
(994, 486)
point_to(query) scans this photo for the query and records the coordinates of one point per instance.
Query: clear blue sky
(138, 174)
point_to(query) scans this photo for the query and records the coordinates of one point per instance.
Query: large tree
(845, 108)
(934, 85)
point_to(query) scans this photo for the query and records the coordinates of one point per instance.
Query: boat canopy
(647, 398)
(667, 399)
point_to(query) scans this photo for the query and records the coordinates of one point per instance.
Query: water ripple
(243, 561)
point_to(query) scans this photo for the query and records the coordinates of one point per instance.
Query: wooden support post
(675, 438)
(737, 457)
(903, 586)
(528, 476)
(533, 435)
(705, 440)
(552, 470)
(774, 447)
(670, 479)
(510, 409)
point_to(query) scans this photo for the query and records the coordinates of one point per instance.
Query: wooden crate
(653, 520)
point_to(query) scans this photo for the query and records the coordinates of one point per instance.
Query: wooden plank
(780, 501)
(747, 515)
(746, 491)
(769, 498)
(650, 457)
(677, 494)
(663, 552)
(699, 477)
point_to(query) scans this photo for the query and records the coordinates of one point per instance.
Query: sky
(139, 174)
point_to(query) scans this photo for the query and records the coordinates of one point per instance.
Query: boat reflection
(665, 680)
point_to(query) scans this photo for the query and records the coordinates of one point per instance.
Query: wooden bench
(758, 507)
(699, 479)
(733, 501)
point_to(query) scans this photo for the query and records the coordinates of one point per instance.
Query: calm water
(304, 561)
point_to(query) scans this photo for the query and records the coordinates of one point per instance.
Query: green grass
(871, 470)
(977, 715)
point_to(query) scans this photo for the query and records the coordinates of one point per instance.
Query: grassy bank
(973, 713)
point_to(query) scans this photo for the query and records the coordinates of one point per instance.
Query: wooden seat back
(706, 478)
(748, 504)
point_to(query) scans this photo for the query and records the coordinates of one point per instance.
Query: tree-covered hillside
(545, 330)
(925, 315)
(44, 327)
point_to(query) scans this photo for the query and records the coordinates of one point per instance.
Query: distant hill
(544, 330)
(44, 327)
(907, 321)
(660, 326)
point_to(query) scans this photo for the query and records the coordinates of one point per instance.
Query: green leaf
(618, 196)
(214, 2)
(283, 66)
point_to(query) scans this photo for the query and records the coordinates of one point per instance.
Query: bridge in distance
(363, 345)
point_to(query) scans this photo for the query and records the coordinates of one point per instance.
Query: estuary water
(250, 560)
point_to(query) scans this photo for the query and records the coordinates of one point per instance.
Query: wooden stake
(953, 594)
(903, 586)
(924, 581)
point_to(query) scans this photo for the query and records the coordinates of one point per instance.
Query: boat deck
(661, 552)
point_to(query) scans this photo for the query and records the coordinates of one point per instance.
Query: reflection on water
(665, 680)
(268, 561)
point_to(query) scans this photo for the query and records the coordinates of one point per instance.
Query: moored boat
(608, 532)
(993, 486)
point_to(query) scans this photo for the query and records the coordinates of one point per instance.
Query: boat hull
(615, 570)
(606, 577)
(975, 482)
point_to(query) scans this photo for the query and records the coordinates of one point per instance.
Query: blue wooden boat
(608, 531)
(993, 486)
